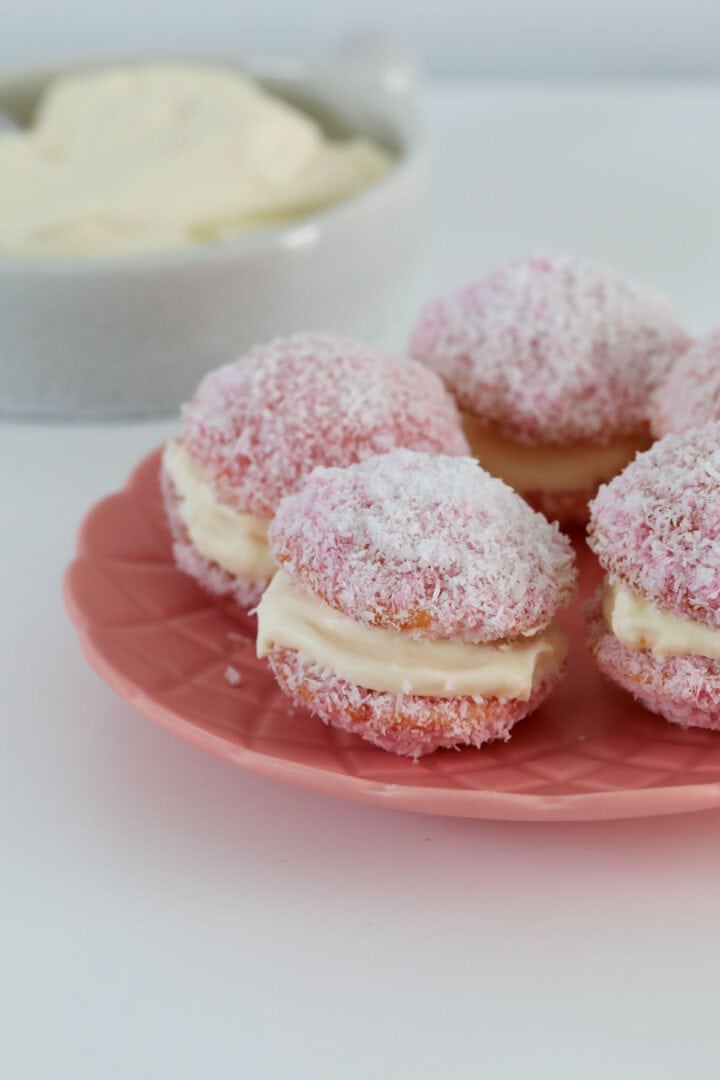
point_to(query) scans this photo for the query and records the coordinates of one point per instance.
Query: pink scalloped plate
(187, 662)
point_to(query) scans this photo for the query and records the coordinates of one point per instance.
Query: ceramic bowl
(133, 334)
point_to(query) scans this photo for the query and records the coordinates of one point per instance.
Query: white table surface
(167, 915)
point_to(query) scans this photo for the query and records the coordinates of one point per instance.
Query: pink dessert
(415, 601)
(689, 395)
(256, 428)
(655, 627)
(552, 361)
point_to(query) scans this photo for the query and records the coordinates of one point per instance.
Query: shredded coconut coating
(689, 395)
(682, 689)
(553, 350)
(656, 527)
(209, 575)
(428, 544)
(259, 426)
(402, 723)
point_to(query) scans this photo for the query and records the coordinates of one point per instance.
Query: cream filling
(548, 468)
(384, 660)
(236, 542)
(166, 155)
(640, 624)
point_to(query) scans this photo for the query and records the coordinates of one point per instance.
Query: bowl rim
(411, 155)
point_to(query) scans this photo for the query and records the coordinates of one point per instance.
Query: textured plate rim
(416, 798)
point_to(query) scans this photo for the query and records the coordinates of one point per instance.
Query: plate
(188, 663)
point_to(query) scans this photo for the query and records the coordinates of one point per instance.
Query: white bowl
(122, 335)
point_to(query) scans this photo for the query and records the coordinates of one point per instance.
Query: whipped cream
(640, 624)
(384, 660)
(164, 156)
(548, 468)
(236, 542)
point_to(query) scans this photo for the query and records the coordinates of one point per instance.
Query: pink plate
(590, 753)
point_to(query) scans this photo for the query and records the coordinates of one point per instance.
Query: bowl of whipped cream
(159, 218)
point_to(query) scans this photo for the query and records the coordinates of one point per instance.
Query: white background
(457, 37)
(166, 915)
